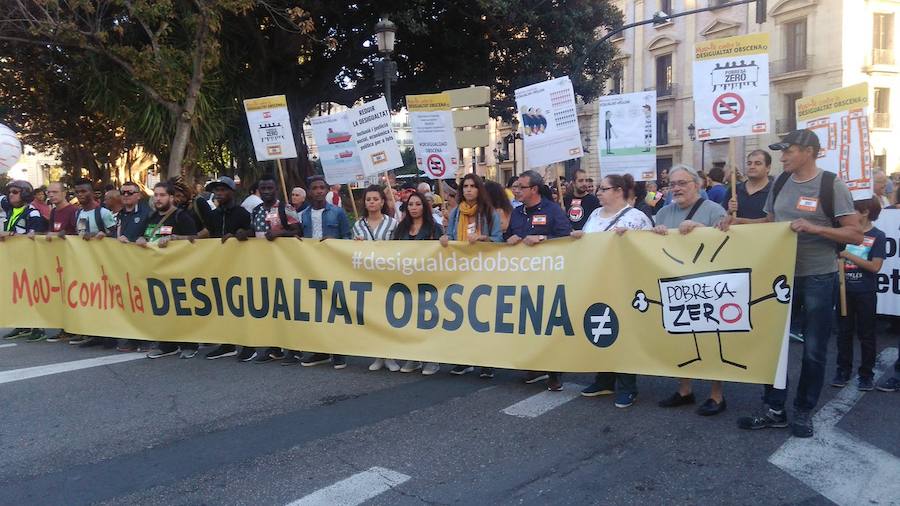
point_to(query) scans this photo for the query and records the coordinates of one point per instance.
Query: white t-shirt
(629, 218)
(251, 202)
(316, 218)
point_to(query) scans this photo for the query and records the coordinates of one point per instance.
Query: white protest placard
(840, 118)
(627, 135)
(731, 86)
(434, 138)
(378, 150)
(337, 148)
(889, 276)
(710, 302)
(270, 128)
(550, 122)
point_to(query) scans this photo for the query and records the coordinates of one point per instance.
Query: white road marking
(837, 465)
(354, 490)
(8, 345)
(538, 404)
(46, 370)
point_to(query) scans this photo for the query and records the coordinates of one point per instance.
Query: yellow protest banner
(706, 305)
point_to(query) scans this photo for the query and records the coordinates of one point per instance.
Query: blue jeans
(815, 294)
(622, 383)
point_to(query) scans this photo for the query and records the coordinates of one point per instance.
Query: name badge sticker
(165, 230)
(539, 219)
(808, 204)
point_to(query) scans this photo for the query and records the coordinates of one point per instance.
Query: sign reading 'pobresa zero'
(434, 138)
(731, 86)
(374, 134)
(270, 128)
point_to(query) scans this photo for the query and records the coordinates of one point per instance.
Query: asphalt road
(188, 432)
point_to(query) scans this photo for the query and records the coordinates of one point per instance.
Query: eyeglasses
(680, 184)
(128, 193)
(524, 187)
(606, 188)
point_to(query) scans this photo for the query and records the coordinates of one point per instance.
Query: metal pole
(387, 80)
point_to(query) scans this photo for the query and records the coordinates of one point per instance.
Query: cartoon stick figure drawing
(714, 301)
(609, 132)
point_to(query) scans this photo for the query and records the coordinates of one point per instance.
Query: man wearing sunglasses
(132, 219)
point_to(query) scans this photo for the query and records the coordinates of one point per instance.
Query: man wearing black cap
(819, 207)
(226, 221)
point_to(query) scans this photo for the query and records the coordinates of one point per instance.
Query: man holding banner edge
(820, 225)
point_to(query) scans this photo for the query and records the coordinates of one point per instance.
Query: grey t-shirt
(815, 254)
(709, 213)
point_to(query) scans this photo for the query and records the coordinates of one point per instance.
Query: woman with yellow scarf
(473, 220)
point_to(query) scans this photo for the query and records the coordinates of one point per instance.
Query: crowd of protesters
(818, 206)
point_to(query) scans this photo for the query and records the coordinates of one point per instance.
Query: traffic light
(760, 11)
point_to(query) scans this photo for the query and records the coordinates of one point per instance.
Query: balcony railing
(881, 120)
(787, 65)
(883, 56)
(670, 90)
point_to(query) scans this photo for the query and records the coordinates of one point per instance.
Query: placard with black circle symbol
(728, 108)
(436, 166)
(601, 325)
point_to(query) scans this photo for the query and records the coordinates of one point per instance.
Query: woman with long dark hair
(500, 202)
(418, 225)
(473, 220)
(376, 225)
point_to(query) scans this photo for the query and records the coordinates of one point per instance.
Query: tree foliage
(173, 73)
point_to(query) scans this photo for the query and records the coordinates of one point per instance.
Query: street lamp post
(386, 69)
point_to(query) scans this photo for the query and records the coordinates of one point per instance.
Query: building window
(663, 165)
(883, 38)
(665, 6)
(795, 44)
(664, 75)
(617, 81)
(789, 123)
(882, 107)
(662, 128)
(879, 162)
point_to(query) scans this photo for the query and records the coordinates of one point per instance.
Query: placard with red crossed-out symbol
(435, 166)
(728, 108)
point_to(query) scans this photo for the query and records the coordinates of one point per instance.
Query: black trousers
(860, 320)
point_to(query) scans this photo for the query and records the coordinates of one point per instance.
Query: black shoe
(222, 351)
(263, 357)
(461, 369)
(160, 353)
(802, 425)
(338, 361)
(486, 373)
(291, 359)
(554, 382)
(17, 333)
(247, 354)
(710, 407)
(316, 359)
(90, 341)
(770, 419)
(676, 400)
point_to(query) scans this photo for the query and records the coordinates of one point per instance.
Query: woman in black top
(418, 225)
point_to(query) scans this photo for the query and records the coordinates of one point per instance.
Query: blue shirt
(132, 224)
(335, 224)
(546, 218)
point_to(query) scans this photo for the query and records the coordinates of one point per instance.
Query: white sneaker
(377, 364)
(391, 364)
(431, 368)
(410, 366)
